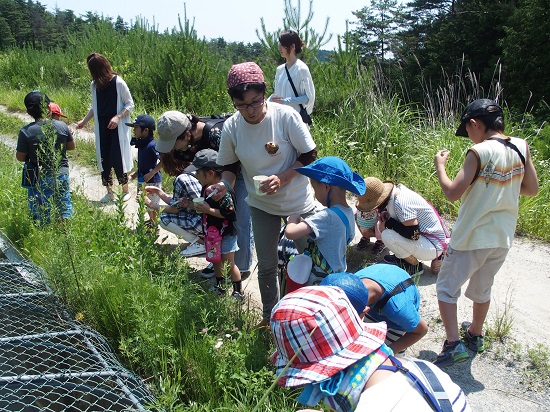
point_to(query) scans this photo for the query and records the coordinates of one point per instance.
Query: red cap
(55, 109)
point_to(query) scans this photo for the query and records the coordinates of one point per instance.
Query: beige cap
(170, 126)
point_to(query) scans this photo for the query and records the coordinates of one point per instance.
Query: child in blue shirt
(148, 165)
(330, 230)
(385, 293)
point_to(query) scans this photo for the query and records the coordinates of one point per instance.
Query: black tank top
(107, 100)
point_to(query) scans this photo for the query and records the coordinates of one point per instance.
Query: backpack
(215, 120)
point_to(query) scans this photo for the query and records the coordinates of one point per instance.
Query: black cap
(205, 158)
(33, 99)
(478, 108)
(143, 121)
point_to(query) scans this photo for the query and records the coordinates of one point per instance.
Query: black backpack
(215, 120)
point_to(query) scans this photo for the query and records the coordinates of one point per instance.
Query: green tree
(526, 56)
(452, 49)
(312, 39)
(377, 29)
(6, 40)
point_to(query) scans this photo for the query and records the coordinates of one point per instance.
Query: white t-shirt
(289, 137)
(398, 393)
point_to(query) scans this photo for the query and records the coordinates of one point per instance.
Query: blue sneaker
(453, 352)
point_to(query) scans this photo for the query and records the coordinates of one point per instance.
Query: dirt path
(493, 381)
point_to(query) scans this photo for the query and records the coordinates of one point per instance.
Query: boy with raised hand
(384, 292)
(148, 165)
(331, 229)
(496, 171)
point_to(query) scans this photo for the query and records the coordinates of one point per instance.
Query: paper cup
(257, 181)
(198, 200)
(297, 272)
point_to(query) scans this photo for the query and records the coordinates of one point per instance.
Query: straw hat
(320, 324)
(377, 192)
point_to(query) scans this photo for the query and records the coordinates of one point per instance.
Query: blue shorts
(229, 244)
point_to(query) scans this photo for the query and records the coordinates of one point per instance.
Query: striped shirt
(409, 205)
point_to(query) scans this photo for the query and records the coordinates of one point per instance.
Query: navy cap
(33, 99)
(478, 108)
(334, 172)
(143, 121)
(353, 287)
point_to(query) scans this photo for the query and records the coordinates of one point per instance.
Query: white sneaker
(109, 197)
(126, 197)
(194, 249)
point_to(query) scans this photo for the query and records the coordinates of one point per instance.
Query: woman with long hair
(112, 104)
(290, 45)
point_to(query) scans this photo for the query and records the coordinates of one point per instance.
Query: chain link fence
(49, 361)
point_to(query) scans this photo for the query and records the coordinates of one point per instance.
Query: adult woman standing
(290, 44)
(269, 140)
(111, 107)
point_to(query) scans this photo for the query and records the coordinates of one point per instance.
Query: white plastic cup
(257, 180)
(198, 201)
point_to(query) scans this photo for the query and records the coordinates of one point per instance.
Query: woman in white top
(290, 44)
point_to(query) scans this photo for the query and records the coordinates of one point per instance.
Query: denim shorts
(229, 244)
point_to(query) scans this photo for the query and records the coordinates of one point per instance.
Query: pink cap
(241, 73)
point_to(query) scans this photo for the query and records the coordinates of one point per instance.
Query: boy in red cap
(55, 111)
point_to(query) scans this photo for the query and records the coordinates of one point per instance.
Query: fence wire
(49, 361)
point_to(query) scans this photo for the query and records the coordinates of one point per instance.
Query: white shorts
(478, 266)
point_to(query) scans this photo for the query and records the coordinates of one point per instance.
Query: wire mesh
(50, 362)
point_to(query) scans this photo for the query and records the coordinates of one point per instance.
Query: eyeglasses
(254, 105)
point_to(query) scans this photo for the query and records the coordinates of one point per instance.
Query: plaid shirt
(186, 186)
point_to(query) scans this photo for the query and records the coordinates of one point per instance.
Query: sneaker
(194, 249)
(208, 272)
(476, 343)
(363, 243)
(378, 247)
(126, 196)
(453, 352)
(245, 275)
(238, 296)
(412, 270)
(109, 197)
(218, 290)
(393, 260)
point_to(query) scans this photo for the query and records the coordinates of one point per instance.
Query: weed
(503, 319)
(538, 370)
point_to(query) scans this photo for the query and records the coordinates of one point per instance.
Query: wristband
(225, 182)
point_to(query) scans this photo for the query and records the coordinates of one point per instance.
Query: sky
(234, 20)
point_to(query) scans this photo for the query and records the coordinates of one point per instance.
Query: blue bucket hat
(353, 287)
(335, 172)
